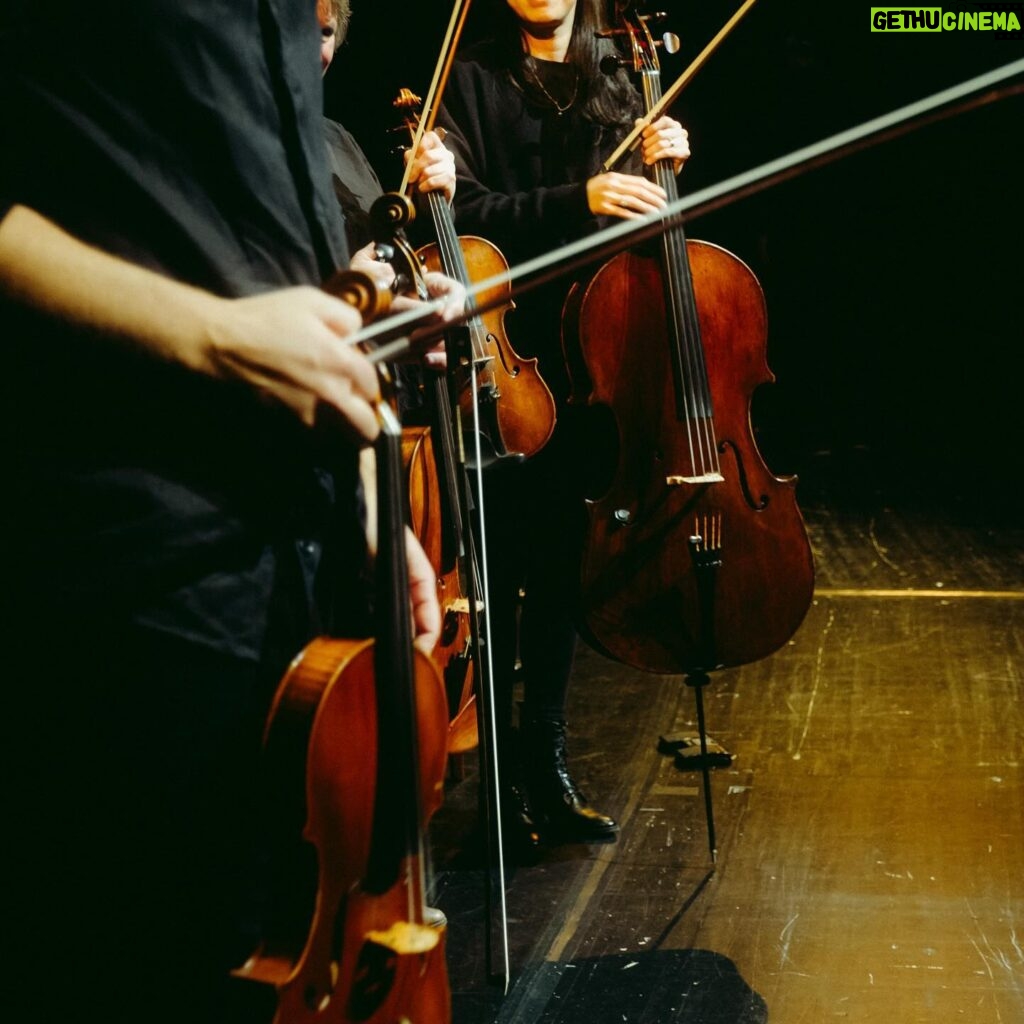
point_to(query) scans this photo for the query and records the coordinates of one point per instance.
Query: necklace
(560, 108)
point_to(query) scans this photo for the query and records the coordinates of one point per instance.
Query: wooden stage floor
(870, 829)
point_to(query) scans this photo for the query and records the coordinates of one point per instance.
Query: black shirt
(523, 158)
(184, 136)
(356, 185)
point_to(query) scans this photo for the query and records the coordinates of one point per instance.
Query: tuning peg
(669, 42)
(610, 63)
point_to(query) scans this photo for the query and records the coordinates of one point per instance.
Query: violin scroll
(360, 290)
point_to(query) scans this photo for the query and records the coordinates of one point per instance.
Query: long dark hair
(606, 99)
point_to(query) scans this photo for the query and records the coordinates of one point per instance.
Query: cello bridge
(704, 478)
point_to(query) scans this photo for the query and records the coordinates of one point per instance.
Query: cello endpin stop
(623, 516)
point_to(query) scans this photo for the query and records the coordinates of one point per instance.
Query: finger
(360, 417)
(636, 207)
(342, 361)
(648, 194)
(426, 613)
(342, 318)
(443, 287)
(338, 408)
(437, 182)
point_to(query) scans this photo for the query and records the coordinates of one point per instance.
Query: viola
(695, 556)
(355, 749)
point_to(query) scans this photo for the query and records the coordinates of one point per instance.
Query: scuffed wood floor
(870, 829)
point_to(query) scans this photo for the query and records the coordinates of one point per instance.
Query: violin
(695, 556)
(355, 749)
(515, 410)
(435, 504)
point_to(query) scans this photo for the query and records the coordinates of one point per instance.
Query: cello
(355, 747)
(695, 556)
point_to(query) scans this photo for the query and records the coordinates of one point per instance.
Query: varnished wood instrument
(696, 556)
(355, 748)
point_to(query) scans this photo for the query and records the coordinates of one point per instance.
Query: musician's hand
(624, 195)
(287, 345)
(380, 271)
(666, 139)
(433, 167)
(290, 346)
(426, 612)
(427, 340)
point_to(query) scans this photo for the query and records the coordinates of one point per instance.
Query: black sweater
(522, 171)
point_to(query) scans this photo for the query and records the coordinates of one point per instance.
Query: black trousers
(533, 515)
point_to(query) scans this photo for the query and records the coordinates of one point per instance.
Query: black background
(892, 277)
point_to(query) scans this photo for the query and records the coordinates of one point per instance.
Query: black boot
(519, 831)
(560, 808)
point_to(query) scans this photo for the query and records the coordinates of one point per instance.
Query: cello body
(647, 600)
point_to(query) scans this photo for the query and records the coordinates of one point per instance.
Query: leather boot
(519, 831)
(520, 835)
(559, 806)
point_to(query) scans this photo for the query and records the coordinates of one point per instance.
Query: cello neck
(692, 393)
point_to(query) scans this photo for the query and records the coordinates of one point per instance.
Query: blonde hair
(339, 11)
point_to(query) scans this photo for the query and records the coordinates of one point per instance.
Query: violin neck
(450, 250)
(397, 813)
(453, 263)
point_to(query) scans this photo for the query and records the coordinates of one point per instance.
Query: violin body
(453, 653)
(683, 570)
(332, 951)
(516, 407)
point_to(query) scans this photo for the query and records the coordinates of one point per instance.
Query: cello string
(632, 140)
(687, 348)
(539, 270)
(645, 61)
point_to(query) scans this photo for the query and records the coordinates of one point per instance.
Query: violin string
(454, 264)
(486, 645)
(453, 261)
